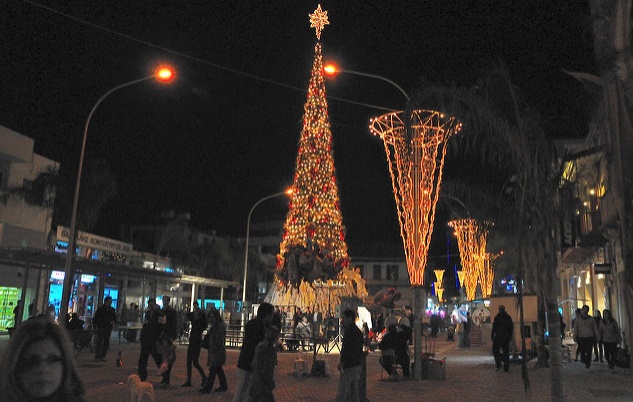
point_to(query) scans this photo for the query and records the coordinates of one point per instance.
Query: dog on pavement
(138, 389)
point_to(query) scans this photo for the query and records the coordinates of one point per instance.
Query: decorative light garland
(416, 161)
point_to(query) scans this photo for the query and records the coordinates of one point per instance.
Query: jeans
(610, 349)
(147, 349)
(102, 342)
(584, 346)
(348, 384)
(243, 388)
(501, 352)
(213, 370)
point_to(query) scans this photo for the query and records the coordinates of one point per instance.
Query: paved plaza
(470, 376)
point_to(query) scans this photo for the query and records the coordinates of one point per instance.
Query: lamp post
(331, 70)
(162, 74)
(248, 230)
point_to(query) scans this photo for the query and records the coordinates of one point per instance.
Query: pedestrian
(150, 336)
(16, 314)
(168, 355)
(217, 352)
(198, 325)
(468, 327)
(573, 325)
(171, 320)
(38, 365)
(264, 363)
(610, 337)
(351, 358)
(317, 321)
(254, 333)
(502, 329)
(102, 323)
(585, 335)
(598, 349)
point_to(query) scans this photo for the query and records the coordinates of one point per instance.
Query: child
(168, 351)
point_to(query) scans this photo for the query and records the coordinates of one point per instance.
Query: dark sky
(225, 133)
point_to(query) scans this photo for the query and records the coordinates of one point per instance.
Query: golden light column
(439, 288)
(471, 239)
(488, 274)
(416, 161)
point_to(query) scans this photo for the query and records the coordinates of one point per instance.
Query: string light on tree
(471, 240)
(313, 246)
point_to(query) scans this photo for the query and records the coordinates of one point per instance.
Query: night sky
(225, 133)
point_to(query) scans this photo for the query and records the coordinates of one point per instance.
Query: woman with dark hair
(217, 352)
(38, 365)
(610, 336)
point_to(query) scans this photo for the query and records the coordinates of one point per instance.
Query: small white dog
(138, 389)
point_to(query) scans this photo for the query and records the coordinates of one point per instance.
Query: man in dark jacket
(254, 333)
(150, 335)
(103, 322)
(502, 329)
(171, 320)
(351, 359)
(398, 342)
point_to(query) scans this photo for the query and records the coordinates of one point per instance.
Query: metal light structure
(162, 74)
(248, 230)
(471, 240)
(415, 156)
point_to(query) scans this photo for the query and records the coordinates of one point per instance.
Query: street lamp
(332, 69)
(162, 74)
(248, 229)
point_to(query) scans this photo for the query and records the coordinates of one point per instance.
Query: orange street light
(162, 74)
(165, 74)
(331, 69)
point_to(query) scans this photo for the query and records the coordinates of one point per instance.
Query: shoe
(601, 361)
(204, 391)
(187, 384)
(595, 360)
(221, 389)
(204, 381)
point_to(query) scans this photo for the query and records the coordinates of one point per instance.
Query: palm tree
(52, 189)
(506, 137)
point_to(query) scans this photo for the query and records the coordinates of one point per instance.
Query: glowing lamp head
(165, 74)
(330, 69)
(290, 191)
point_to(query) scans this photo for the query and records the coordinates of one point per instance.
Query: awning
(42, 259)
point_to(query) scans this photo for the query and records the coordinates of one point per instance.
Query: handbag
(206, 339)
(622, 358)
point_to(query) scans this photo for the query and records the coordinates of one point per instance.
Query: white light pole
(162, 74)
(248, 229)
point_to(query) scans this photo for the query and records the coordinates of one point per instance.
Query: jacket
(502, 327)
(585, 328)
(609, 333)
(352, 347)
(217, 346)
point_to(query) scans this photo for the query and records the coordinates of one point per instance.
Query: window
(392, 272)
(377, 271)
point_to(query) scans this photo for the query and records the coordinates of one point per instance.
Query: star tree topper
(318, 20)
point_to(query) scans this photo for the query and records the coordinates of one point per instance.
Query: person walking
(103, 322)
(198, 325)
(38, 365)
(168, 354)
(150, 336)
(171, 319)
(585, 334)
(264, 363)
(398, 342)
(598, 349)
(350, 364)
(502, 329)
(317, 321)
(254, 333)
(217, 352)
(610, 337)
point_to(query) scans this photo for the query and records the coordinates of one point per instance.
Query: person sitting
(75, 324)
(398, 341)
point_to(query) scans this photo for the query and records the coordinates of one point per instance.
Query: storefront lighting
(600, 276)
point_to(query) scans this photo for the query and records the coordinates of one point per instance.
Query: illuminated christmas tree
(313, 252)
